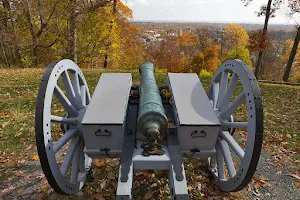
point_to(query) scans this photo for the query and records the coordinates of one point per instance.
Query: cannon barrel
(152, 120)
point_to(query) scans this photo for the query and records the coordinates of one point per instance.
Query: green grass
(18, 91)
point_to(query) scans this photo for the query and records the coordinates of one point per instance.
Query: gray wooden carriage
(120, 117)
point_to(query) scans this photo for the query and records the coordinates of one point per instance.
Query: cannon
(149, 126)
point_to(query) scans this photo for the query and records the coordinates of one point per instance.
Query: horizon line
(220, 22)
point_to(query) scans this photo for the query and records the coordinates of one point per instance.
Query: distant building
(217, 37)
(151, 32)
(180, 32)
(157, 35)
(147, 38)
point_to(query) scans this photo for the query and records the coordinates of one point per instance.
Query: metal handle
(195, 134)
(106, 133)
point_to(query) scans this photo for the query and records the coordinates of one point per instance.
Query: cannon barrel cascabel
(151, 118)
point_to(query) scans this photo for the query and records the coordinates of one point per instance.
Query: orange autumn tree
(188, 43)
(211, 55)
(207, 60)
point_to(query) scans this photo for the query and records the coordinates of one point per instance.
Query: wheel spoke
(227, 157)
(233, 144)
(64, 139)
(215, 94)
(229, 92)
(65, 101)
(81, 159)
(68, 85)
(63, 120)
(223, 86)
(75, 166)
(83, 95)
(220, 162)
(76, 86)
(69, 155)
(234, 124)
(88, 99)
(239, 100)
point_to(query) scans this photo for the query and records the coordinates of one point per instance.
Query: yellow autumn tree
(234, 44)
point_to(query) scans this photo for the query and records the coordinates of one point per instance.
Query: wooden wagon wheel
(64, 82)
(232, 86)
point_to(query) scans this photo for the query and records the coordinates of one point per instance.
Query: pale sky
(201, 11)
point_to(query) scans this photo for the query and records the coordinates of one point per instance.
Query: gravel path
(279, 185)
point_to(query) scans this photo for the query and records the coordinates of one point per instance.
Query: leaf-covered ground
(22, 177)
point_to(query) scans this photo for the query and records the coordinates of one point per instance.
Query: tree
(8, 36)
(198, 63)
(267, 11)
(234, 36)
(234, 44)
(91, 32)
(294, 6)
(188, 43)
(40, 26)
(207, 60)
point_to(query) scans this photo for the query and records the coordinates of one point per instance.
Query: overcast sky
(200, 11)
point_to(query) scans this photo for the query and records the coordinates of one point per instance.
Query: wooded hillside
(98, 33)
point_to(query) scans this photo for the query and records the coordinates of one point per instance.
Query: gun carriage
(149, 126)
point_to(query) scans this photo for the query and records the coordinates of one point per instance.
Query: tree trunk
(292, 56)
(4, 52)
(265, 30)
(115, 7)
(16, 49)
(35, 51)
(33, 35)
(105, 65)
(72, 33)
(5, 5)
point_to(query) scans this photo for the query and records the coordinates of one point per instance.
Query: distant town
(156, 32)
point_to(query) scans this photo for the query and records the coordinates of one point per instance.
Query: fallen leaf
(100, 163)
(3, 160)
(20, 190)
(148, 195)
(115, 185)
(298, 185)
(103, 184)
(41, 176)
(18, 134)
(7, 190)
(4, 125)
(35, 157)
(278, 173)
(268, 194)
(261, 182)
(29, 147)
(295, 176)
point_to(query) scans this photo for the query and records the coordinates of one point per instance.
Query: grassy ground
(18, 91)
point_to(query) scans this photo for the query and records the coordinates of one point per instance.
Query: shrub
(296, 78)
(205, 73)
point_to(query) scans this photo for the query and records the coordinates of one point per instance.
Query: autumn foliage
(99, 34)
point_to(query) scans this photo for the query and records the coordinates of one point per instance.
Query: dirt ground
(27, 181)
